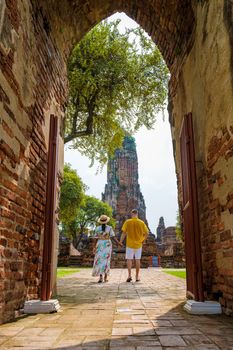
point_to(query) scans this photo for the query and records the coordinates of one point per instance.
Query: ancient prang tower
(122, 191)
(160, 230)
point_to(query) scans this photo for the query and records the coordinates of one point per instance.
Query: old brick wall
(32, 87)
(169, 24)
(205, 89)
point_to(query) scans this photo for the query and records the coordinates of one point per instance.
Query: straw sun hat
(103, 219)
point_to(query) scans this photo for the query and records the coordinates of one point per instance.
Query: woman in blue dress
(103, 248)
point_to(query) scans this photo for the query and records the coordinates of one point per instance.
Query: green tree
(86, 218)
(118, 83)
(90, 211)
(72, 195)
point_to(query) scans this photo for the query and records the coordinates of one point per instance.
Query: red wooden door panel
(190, 211)
(50, 209)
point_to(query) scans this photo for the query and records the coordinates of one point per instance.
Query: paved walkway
(119, 316)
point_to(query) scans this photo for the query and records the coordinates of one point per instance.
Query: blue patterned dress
(103, 251)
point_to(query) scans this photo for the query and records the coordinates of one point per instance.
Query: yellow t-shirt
(135, 230)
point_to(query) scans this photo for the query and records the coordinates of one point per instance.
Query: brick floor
(119, 316)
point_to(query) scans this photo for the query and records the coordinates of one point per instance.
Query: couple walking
(134, 230)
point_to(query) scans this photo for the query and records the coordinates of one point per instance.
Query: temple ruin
(122, 191)
(170, 249)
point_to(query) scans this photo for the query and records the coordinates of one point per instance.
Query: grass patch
(181, 273)
(64, 271)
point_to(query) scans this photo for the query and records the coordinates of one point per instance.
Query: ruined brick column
(122, 191)
(160, 230)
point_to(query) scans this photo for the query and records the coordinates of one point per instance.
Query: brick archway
(36, 39)
(170, 26)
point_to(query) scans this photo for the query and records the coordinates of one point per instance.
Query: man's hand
(145, 238)
(120, 244)
(123, 235)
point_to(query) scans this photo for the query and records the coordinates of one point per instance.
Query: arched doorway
(193, 288)
(37, 37)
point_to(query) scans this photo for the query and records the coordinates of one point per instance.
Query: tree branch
(89, 128)
(74, 135)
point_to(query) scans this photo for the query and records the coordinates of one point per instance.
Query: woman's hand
(94, 250)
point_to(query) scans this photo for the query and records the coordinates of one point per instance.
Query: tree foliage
(90, 211)
(118, 83)
(72, 195)
(86, 218)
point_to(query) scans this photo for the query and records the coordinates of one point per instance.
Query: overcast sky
(156, 167)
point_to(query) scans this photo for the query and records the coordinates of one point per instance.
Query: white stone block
(41, 307)
(203, 308)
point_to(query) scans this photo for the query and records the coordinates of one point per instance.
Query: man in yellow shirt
(136, 232)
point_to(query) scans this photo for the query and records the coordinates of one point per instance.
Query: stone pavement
(119, 316)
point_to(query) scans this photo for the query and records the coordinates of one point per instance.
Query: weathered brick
(228, 253)
(7, 129)
(21, 229)
(9, 112)
(3, 242)
(19, 220)
(214, 204)
(3, 96)
(7, 214)
(225, 235)
(8, 151)
(4, 202)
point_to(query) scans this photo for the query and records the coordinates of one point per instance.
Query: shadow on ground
(118, 315)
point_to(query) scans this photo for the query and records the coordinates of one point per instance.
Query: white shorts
(131, 253)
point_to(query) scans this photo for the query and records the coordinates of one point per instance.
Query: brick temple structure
(169, 236)
(160, 230)
(122, 191)
(169, 247)
(85, 257)
(36, 39)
